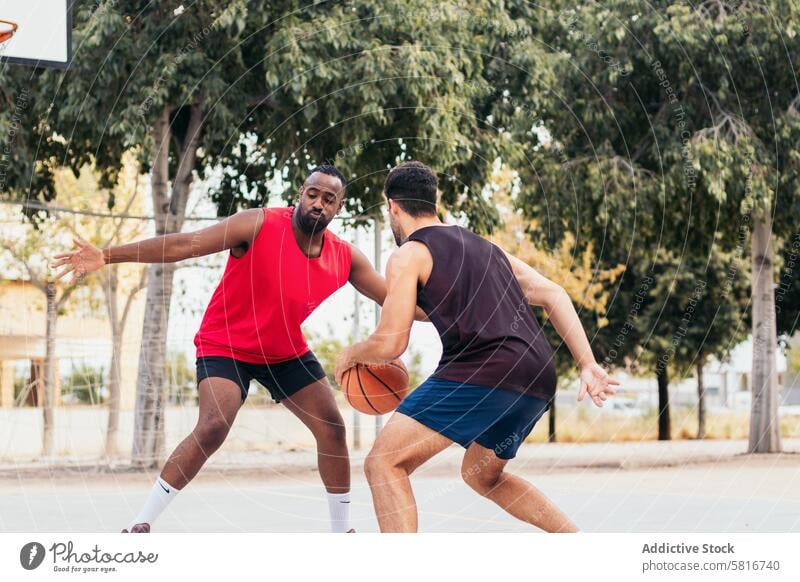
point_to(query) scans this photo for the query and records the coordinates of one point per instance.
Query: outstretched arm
(238, 230)
(390, 338)
(541, 291)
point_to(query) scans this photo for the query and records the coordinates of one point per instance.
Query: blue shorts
(494, 418)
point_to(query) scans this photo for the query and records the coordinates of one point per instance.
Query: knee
(377, 465)
(481, 479)
(211, 433)
(373, 466)
(330, 430)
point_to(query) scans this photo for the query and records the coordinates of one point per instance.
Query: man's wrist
(106, 254)
(348, 358)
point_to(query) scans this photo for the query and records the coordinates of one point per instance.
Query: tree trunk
(152, 367)
(49, 370)
(169, 212)
(114, 393)
(664, 428)
(118, 323)
(701, 400)
(764, 424)
(114, 371)
(551, 422)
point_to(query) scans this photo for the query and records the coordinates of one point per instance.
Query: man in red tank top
(283, 263)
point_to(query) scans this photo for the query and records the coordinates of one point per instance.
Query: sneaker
(139, 528)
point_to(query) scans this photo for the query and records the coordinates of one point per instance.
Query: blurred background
(642, 155)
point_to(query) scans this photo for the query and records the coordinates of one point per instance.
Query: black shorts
(282, 379)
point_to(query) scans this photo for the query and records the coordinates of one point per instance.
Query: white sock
(339, 505)
(160, 496)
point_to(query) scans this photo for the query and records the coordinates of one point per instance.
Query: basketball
(376, 389)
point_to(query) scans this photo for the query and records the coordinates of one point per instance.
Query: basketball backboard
(36, 32)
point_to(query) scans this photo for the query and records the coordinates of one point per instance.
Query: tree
(28, 248)
(707, 316)
(787, 292)
(86, 384)
(249, 90)
(668, 120)
(720, 318)
(576, 273)
(120, 284)
(182, 378)
(794, 361)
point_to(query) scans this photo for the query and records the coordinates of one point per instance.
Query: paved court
(740, 495)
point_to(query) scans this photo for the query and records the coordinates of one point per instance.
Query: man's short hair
(414, 186)
(330, 170)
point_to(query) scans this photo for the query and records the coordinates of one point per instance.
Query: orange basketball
(376, 389)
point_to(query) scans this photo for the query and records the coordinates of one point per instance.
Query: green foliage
(20, 385)
(697, 307)
(85, 384)
(652, 133)
(671, 129)
(414, 365)
(794, 360)
(787, 292)
(182, 379)
(327, 348)
(283, 85)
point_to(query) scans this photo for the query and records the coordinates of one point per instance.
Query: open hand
(597, 383)
(86, 259)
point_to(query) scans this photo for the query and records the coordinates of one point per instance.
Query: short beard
(310, 226)
(398, 234)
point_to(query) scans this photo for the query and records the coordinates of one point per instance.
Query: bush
(84, 385)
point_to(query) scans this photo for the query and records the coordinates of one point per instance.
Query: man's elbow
(554, 296)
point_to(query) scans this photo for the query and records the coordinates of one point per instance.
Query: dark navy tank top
(490, 336)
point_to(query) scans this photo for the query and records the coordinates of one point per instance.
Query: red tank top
(256, 311)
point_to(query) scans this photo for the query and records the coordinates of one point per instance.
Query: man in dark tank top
(496, 377)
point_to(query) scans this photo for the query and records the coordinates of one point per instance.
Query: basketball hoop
(7, 30)
(40, 37)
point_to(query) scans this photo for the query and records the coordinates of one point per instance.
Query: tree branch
(183, 175)
(65, 295)
(35, 280)
(129, 300)
(794, 105)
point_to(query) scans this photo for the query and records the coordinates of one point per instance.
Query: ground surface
(648, 487)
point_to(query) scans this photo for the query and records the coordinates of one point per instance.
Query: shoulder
(277, 213)
(411, 253)
(244, 222)
(272, 219)
(359, 259)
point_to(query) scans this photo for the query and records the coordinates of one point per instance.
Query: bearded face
(321, 199)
